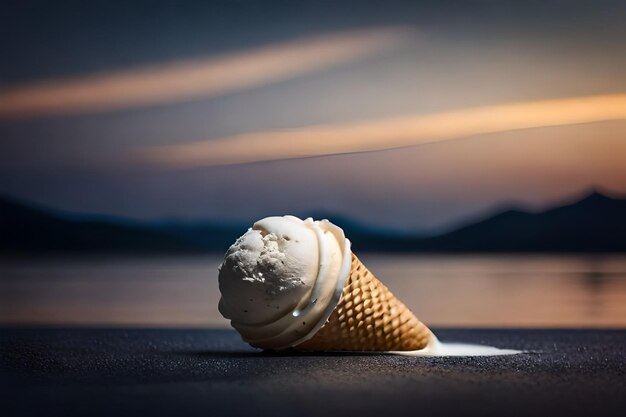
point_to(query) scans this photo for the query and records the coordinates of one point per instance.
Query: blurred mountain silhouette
(596, 223)
(26, 229)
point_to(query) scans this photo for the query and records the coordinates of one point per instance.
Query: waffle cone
(368, 318)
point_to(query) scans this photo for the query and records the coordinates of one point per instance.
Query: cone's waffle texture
(368, 318)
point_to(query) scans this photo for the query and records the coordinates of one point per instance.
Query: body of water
(477, 291)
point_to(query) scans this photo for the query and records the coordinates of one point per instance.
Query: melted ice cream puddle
(437, 348)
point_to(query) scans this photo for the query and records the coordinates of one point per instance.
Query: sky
(410, 115)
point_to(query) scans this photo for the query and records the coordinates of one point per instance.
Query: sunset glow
(416, 115)
(196, 78)
(388, 133)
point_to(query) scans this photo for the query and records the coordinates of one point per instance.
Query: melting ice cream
(283, 278)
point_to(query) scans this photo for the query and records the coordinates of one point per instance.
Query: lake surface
(480, 291)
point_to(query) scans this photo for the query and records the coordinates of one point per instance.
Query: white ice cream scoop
(281, 280)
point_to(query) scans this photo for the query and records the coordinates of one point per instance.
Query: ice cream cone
(368, 317)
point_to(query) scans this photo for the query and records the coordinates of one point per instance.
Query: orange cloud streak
(388, 133)
(196, 78)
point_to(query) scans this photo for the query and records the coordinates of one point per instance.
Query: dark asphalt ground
(124, 372)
